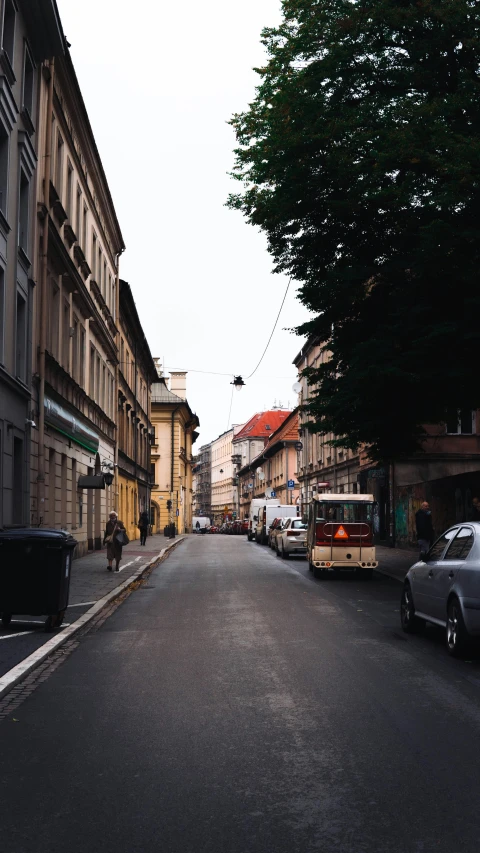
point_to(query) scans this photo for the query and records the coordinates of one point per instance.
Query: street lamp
(237, 383)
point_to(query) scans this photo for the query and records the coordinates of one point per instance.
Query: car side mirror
(255, 517)
(423, 555)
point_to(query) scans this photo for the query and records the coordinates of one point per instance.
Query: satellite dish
(297, 387)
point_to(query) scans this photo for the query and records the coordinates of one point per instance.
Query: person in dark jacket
(143, 523)
(475, 509)
(423, 521)
(114, 548)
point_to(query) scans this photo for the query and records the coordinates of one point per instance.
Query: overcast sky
(160, 81)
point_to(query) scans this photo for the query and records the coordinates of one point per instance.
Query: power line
(274, 327)
(231, 404)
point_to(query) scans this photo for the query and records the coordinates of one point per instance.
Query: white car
(292, 538)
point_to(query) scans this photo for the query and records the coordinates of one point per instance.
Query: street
(233, 704)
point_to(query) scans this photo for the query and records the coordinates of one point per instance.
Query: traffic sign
(177, 512)
(291, 484)
(273, 493)
(341, 533)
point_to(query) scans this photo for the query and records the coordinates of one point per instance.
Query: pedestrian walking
(115, 537)
(143, 523)
(423, 521)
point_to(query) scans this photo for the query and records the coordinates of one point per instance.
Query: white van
(256, 505)
(265, 518)
(200, 524)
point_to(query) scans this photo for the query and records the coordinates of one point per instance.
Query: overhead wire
(274, 327)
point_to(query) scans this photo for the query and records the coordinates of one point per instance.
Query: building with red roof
(269, 473)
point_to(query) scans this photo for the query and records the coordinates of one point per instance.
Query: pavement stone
(90, 579)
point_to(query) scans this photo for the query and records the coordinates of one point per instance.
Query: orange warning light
(341, 533)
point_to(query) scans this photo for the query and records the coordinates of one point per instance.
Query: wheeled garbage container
(35, 569)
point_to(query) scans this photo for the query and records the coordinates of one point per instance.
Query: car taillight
(294, 532)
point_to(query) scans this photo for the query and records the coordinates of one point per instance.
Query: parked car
(266, 514)
(443, 588)
(275, 525)
(292, 538)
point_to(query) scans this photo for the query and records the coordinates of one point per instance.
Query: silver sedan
(444, 588)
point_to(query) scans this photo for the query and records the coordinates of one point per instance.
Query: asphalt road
(233, 704)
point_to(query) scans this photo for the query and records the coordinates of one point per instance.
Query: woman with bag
(115, 538)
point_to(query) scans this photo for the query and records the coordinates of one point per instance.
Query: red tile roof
(288, 431)
(256, 427)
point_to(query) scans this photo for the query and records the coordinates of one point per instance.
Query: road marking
(18, 672)
(129, 564)
(82, 604)
(28, 622)
(18, 634)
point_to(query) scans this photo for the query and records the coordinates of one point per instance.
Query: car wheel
(285, 554)
(411, 624)
(456, 633)
(319, 573)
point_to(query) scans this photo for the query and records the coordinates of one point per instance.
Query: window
(75, 344)
(18, 472)
(78, 214)
(99, 269)
(54, 320)
(4, 155)
(23, 212)
(28, 81)
(21, 338)
(439, 546)
(2, 314)
(461, 422)
(59, 165)
(461, 546)
(69, 198)
(91, 378)
(66, 336)
(8, 41)
(84, 231)
(94, 255)
(104, 289)
(81, 376)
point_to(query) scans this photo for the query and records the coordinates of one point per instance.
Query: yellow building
(136, 373)
(173, 425)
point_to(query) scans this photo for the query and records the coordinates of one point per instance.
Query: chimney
(178, 384)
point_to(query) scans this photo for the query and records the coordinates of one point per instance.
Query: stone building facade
(273, 472)
(76, 310)
(30, 32)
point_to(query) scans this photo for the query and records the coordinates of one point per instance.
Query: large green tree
(360, 159)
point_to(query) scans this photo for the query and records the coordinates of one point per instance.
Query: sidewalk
(90, 580)
(395, 562)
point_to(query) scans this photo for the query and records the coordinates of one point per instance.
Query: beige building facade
(76, 310)
(174, 428)
(224, 489)
(321, 467)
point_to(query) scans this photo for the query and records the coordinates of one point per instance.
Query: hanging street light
(237, 383)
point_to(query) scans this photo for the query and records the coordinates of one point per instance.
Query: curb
(15, 675)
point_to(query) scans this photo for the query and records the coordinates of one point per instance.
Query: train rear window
(329, 511)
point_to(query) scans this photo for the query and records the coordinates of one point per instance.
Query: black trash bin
(35, 570)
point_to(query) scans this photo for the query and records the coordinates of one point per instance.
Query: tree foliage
(360, 159)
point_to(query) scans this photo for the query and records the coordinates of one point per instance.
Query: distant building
(136, 374)
(174, 428)
(203, 473)
(248, 442)
(272, 473)
(223, 484)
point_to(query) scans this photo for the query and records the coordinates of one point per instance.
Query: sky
(160, 82)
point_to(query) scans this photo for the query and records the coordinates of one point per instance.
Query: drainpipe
(43, 303)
